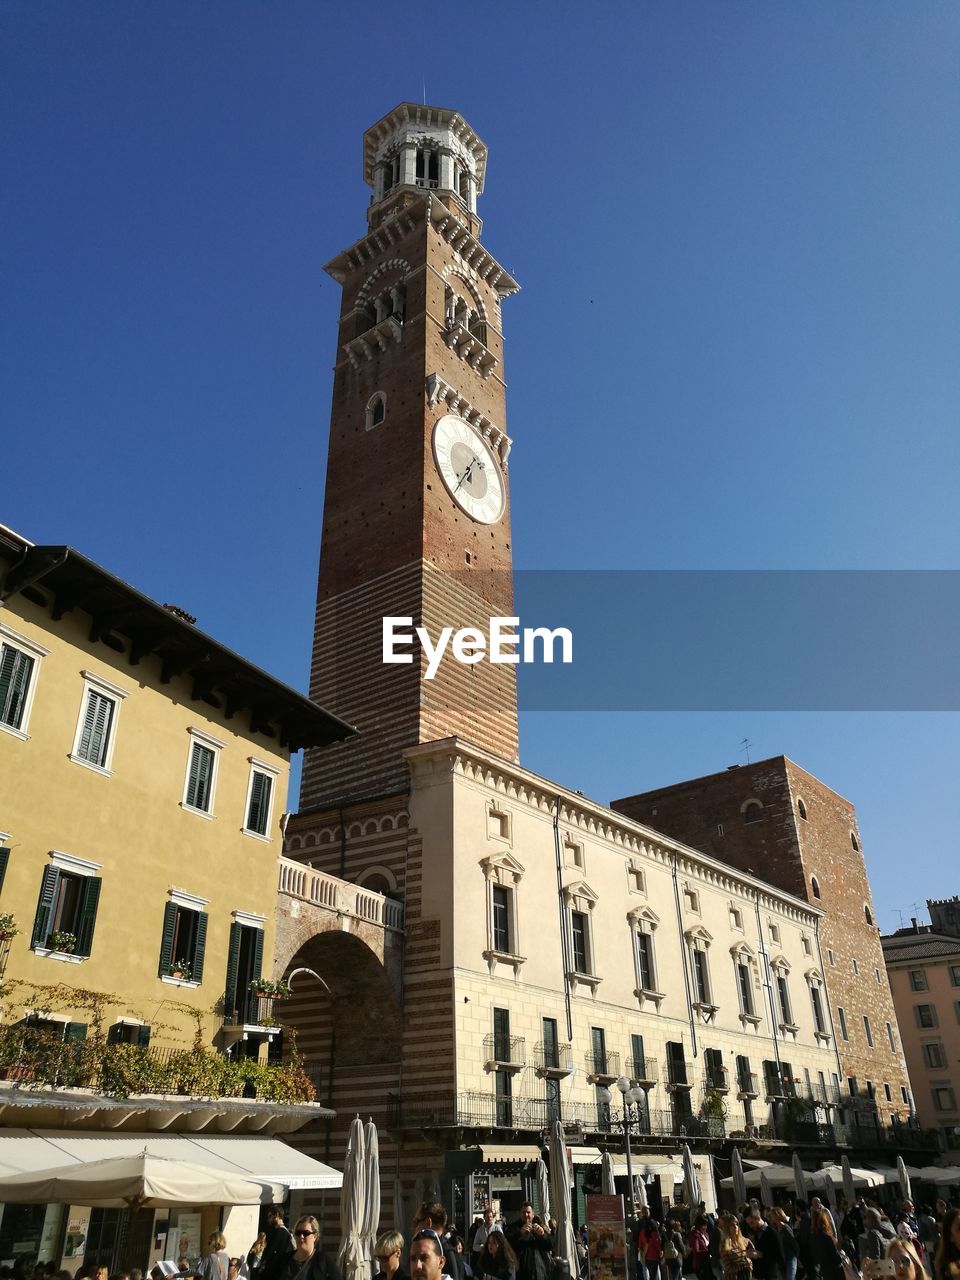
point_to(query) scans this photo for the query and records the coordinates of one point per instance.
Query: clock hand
(465, 476)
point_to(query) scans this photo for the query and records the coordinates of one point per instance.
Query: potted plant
(266, 987)
(8, 926)
(181, 969)
(62, 940)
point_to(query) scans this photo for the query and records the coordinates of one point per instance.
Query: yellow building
(143, 780)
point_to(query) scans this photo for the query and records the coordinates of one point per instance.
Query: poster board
(606, 1238)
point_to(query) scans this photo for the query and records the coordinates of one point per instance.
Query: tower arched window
(376, 410)
(802, 810)
(867, 914)
(428, 167)
(854, 842)
(752, 811)
(815, 887)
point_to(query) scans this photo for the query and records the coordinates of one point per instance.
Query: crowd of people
(802, 1242)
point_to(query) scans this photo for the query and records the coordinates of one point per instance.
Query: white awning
(493, 1153)
(642, 1165)
(269, 1161)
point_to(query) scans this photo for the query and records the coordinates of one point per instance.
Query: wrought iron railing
(644, 1070)
(497, 1048)
(550, 1056)
(603, 1064)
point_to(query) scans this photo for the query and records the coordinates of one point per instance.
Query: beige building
(923, 967)
(144, 773)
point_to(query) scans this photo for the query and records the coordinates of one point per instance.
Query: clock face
(469, 469)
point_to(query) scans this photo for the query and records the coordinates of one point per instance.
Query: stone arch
(369, 285)
(349, 1017)
(450, 273)
(380, 878)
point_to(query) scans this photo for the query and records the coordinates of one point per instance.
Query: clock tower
(416, 520)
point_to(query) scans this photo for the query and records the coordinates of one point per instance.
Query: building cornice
(455, 756)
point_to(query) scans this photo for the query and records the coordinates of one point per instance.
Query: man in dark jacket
(533, 1245)
(280, 1245)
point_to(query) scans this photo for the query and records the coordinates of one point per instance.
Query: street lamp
(630, 1096)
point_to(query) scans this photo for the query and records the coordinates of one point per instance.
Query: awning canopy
(271, 1163)
(127, 1181)
(642, 1165)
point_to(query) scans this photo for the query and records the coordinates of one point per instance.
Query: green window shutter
(258, 954)
(4, 859)
(87, 914)
(231, 999)
(95, 734)
(15, 671)
(75, 1031)
(48, 894)
(166, 940)
(143, 1037)
(201, 946)
(260, 787)
(115, 1034)
(201, 774)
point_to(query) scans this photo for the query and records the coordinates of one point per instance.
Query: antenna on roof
(745, 745)
(424, 90)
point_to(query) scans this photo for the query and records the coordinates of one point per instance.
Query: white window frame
(698, 939)
(636, 878)
(786, 1018)
(273, 773)
(505, 872)
(580, 898)
(92, 683)
(32, 650)
(743, 955)
(643, 920)
(200, 737)
(816, 983)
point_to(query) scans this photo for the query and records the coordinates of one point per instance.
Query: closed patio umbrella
(371, 1207)
(766, 1190)
(849, 1190)
(541, 1180)
(739, 1181)
(352, 1196)
(799, 1182)
(137, 1181)
(691, 1185)
(607, 1184)
(564, 1246)
(640, 1193)
(904, 1178)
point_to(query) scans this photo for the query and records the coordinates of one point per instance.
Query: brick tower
(416, 510)
(781, 823)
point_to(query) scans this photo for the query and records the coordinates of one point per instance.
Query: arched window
(376, 410)
(855, 842)
(815, 886)
(802, 810)
(868, 914)
(752, 811)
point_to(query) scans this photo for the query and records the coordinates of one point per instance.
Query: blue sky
(736, 345)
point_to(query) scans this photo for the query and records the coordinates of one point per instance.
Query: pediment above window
(698, 934)
(641, 916)
(579, 896)
(740, 951)
(503, 868)
(814, 977)
(780, 964)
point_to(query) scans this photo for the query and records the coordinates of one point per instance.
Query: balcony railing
(644, 1071)
(474, 1110)
(716, 1080)
(251, 1011)
(678, 1074)
(550, 1058)
(321, 890)
(747, 1084)
(504, 1051)
(602, 1066)
(35, 1058)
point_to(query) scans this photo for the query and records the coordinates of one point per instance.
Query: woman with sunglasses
(946, 1262)
(308, 1261)
(388, 1253)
